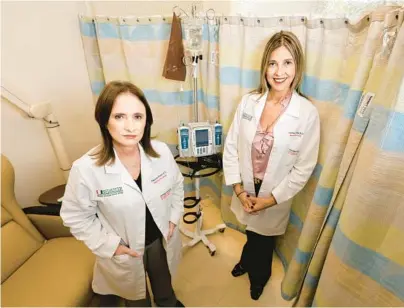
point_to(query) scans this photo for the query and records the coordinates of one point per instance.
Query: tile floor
(205, 280)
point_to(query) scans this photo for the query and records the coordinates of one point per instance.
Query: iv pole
(198, 235)
(42, 111)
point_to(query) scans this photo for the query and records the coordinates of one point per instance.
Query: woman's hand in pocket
(123, 250)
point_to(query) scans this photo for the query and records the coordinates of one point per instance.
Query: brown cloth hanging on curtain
(174, 68)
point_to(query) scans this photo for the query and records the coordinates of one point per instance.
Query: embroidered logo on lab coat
(158, 178)
(109, 192)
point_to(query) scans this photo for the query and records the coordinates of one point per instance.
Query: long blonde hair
(292, 43)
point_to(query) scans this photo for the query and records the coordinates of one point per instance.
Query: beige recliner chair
(41, 263)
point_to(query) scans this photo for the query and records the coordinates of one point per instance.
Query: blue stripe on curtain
(97, 86)
(141, 32)
(238, 77)
(333, 217)
(108, 31)
(394, 139)
(311, 280)
(376, 266)
(317, 171)
(154, 32)
(87, 28)
(169, 98)
(227, 190)
(295, 220)
(321, 90)
(323, 195)
(302, 257)
(360, 124)
(286, 296)
(386, 129)
(174, 98)
(210, 33)
(351, 103)
(325, 90)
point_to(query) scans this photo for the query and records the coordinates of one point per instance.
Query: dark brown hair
(292, 43)
(103, 110)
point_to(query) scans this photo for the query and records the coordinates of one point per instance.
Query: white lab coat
(291, 162)
(103, 205)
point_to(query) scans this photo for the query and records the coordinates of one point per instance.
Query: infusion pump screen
(202, 138)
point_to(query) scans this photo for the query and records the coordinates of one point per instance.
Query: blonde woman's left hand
(258, 204)
(171, 229)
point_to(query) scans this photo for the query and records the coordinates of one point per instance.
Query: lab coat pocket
(115, 269)
(119, 275)
(123, 262)
(122, 258)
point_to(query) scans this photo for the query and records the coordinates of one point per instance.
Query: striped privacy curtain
(359, 257)
(354, 178)
(343, 245)
(134, 49)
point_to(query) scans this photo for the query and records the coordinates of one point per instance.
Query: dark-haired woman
(124, 200)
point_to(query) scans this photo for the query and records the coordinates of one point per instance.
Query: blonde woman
(270, 152)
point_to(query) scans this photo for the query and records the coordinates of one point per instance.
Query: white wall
(42, 59)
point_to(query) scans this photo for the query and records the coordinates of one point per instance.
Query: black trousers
(256, 257)
(156, 266)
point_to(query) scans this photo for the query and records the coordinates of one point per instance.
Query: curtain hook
(180, 11)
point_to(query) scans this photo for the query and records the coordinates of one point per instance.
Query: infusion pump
(199, 139)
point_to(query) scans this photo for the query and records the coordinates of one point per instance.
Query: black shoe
(238, 270)
(179, 304)
(255, 292)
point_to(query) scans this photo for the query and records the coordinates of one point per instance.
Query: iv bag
(193, 35)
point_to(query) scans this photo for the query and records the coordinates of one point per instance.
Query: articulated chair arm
(48, 221)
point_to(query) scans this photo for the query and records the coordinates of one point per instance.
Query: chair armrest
(50, 226)
(53, 210)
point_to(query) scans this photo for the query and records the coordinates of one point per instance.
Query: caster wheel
(212, 253)
(221, 230)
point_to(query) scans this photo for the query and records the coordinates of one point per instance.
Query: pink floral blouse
(262, 145)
